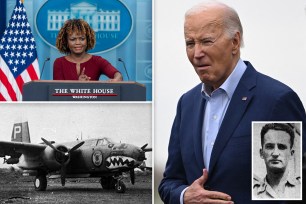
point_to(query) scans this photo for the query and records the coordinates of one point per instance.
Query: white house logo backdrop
(110, 19)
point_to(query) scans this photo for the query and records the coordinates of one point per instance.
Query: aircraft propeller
(146, 149)
(66, 154)
(63, 173)
(50, 145)
(132, 171)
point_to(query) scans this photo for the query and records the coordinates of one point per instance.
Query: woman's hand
(117, 77)
(83, 76)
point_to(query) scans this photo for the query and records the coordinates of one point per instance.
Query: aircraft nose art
(114, 162)
(125, 156)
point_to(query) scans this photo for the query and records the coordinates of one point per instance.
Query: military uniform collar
(264, 186)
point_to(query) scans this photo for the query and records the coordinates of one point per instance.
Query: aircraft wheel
(40, 183)
(120, 187)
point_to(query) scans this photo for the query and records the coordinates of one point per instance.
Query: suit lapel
(236, 109)
(198, 117)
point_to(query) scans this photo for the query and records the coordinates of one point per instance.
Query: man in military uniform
(276, 149)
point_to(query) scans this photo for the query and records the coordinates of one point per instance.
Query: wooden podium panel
(66, 90)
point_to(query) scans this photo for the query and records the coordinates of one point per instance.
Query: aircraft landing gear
(113, 182)
(108, 182)
(120, 186)
(40, 182)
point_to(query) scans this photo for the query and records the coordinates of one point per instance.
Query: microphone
(121, 60)
(42, 70)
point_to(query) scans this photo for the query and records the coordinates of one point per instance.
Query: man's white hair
(231, 19)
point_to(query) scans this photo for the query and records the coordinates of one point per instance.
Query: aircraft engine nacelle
(55, 159)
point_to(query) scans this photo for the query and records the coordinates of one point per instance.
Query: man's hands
(197, 194)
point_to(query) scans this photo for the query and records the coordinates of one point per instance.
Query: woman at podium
(74, 39)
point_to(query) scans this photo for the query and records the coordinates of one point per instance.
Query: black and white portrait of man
(277, 161)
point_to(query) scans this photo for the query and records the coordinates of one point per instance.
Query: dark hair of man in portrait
(277, 126)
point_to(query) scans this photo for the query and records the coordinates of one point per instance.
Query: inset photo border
(276, 161)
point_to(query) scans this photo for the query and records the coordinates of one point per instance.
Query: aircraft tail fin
(21, 132)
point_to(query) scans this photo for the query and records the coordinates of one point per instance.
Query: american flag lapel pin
(244, 98)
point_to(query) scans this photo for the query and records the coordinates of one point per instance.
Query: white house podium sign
(68, 90)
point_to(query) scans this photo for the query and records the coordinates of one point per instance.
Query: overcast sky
(63, 122)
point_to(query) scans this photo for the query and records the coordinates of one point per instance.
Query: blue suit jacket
(230, 164)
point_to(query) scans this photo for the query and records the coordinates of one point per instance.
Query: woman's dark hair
(79, 26)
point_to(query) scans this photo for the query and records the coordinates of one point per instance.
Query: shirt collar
(230, 83)
(291, 181)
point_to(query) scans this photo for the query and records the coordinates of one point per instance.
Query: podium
(68, 90)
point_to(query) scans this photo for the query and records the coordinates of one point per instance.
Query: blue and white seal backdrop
(123, 30)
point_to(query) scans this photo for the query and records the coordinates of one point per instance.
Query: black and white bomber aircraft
(99, 158)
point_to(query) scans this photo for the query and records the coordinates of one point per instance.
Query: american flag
(18, 57)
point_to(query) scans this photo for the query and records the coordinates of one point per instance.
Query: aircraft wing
(18, 148)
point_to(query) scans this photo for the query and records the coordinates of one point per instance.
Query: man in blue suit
(209, 157)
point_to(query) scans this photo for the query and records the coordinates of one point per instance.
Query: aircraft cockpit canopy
(104, 141)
